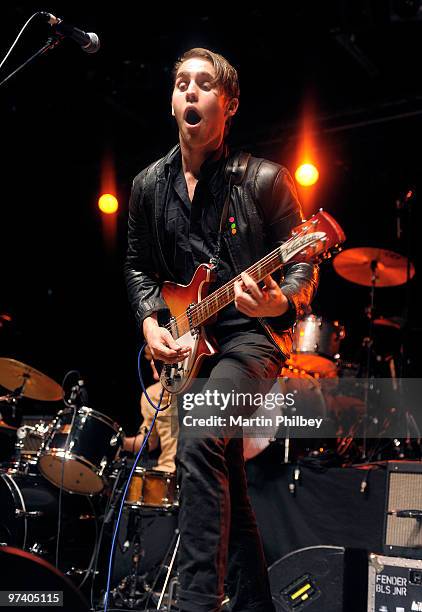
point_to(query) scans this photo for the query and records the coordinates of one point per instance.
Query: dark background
(353, 67)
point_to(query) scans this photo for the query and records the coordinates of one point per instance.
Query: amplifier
(403, 512)
(394, 584)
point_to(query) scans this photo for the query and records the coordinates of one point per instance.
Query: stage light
(108, 204)
(306, 175)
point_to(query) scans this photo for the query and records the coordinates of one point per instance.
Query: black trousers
(219, 539)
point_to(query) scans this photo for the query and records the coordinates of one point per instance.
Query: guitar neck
(312, 240)
(225, 295)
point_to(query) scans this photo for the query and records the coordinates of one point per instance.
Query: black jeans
(219, 538)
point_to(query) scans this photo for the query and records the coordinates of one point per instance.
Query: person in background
(162, 437)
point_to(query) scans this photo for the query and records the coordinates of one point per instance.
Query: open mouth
(192, 117)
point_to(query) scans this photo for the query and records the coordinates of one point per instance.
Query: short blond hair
(225, 74)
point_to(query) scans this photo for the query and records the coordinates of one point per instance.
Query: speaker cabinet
(403, 534)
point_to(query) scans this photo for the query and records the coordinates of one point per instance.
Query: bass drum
(21, 571)
(29, 520)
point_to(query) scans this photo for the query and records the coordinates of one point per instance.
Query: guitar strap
(234, 172)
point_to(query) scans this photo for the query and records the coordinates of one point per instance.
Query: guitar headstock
(315, 239)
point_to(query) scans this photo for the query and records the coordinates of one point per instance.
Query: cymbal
(4, 425)
(14, 374)
(357, 265)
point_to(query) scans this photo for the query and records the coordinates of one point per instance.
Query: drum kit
(76, 474)
(316, 358)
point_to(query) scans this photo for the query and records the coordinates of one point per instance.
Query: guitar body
(176, 378)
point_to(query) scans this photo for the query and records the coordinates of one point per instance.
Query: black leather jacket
(265, 207)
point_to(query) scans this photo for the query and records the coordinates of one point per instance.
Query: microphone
(83, 394)
(88, 41)
(78, 396)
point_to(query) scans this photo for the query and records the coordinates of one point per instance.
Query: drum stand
(128, 593)
(174, 545)
(11, 400)
(368, 343)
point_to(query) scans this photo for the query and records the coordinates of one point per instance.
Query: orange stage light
(108, 204)
(307, 175)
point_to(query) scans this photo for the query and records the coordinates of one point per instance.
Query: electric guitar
(191, 307)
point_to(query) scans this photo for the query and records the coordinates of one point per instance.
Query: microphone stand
(52, 42)
(369, 344)
(405, 204)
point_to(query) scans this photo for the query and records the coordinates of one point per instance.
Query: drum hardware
(10, 418)
(374, 268)
(151, 498)
(310, 401)
(119, 470)
(114, 440)
(37, 549)
(169, 571)
(25, 514)
(22, 381)
(131, 596)
(103, 465)
(134, 589)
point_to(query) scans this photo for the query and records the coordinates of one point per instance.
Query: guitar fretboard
(224, 295)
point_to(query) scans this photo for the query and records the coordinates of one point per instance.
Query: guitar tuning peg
(321, 210)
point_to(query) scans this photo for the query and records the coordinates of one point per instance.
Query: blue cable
(138, 456)
(156, 408)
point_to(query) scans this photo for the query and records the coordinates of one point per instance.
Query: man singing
(175, 215)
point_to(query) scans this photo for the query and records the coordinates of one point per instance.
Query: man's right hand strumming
(161, 343)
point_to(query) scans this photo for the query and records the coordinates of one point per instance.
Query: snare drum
(78, 448)
(316, 345)
(152, 489)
